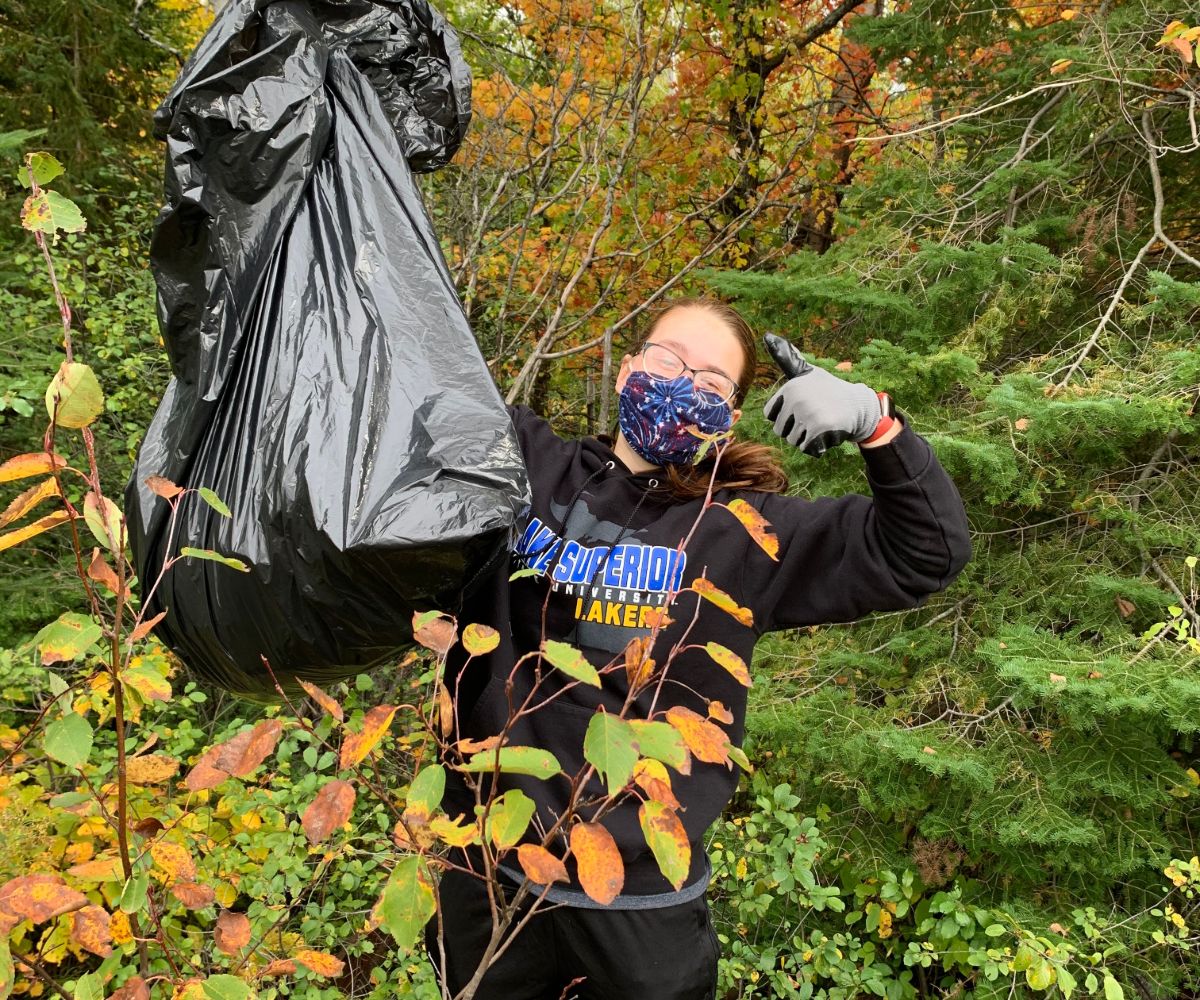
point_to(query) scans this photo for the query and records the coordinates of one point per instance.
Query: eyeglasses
(662, 364)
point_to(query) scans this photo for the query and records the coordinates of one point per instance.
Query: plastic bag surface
(326, 384)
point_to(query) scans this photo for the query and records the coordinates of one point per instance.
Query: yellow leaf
(758, 527)
(728, 659)
(356, 746)
(174, 859)
(722, 600)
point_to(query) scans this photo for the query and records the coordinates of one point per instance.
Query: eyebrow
(677, 345)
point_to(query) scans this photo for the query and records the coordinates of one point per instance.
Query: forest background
(985, 211)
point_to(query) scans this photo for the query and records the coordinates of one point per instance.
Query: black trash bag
(326, 386)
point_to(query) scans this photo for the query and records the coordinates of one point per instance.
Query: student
(606, 520)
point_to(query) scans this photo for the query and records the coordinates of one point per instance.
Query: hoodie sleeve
(841, 558)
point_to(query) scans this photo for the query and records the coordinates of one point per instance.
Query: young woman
(601, 540)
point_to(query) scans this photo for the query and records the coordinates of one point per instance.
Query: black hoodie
(591, 519)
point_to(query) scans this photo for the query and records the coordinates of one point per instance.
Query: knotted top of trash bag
(405, 49)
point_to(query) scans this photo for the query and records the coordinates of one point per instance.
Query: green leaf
(76, 391)
(45, 169)
(407, 902)
(133, 896)
(509, 817)
(89, 987)
(609, 745)
(667, 839)
(7, 972)
(103, 518)
(519, 574)
(212, 556)
(50, 212)
(18, 137)
(1040, 975)
(69, 740)
(1112, 989)
(570, 661)
(225, 987)
(994, 930)
(515, 760)
(214, 501)
(68, 638)
(427, 788)
(1066, 982)
(661, 741)
(738, 756)
(1090, 983)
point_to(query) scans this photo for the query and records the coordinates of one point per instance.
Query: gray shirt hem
(651, 901)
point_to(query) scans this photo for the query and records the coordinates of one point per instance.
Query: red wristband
(885, 421)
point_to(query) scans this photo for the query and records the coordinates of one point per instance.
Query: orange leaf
(320, 963)
(445, 710)
(243, 754)
(758, 526)
(89, 930)
(279, 967)
(174, 859)
(98, 870)
(232, 932)
(652, 778)
(718, 711)
(705, 740)
(101, 572)
(11, 538)
(150, 769)
(470, 746)
(39, 898)
(434, 631)
(540, 865)
(205, 773)
(722, 600)
(327, 702)
(135, 988)
(35, 463)
(163, 487)
(639, 668)
(731, 662)
(329, 810)
(1060, 66)
(193, 895)
(1125, 608)
(356, 746)
(26, 501)
(144, 628)
(601, 870)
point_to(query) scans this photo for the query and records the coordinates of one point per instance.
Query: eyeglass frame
(686, 368)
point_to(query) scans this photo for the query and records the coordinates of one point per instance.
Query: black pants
(668, 953)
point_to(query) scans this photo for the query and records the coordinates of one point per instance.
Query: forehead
(702, 339)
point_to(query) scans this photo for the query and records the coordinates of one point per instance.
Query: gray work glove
(816, 410)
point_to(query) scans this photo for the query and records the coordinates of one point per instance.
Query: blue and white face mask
(655, 415)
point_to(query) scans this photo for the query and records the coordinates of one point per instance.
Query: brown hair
(742, 465)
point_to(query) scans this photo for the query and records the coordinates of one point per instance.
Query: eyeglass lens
(665, 363)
